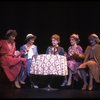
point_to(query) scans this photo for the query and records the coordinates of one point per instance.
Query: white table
(49, 64)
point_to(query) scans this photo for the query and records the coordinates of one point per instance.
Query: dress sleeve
(47, 51)
(62, 52)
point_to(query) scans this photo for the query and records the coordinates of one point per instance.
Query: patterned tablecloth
(48, 64)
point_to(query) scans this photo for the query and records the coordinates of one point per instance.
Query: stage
(74, 91)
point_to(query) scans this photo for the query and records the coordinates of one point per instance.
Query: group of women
(16, 63)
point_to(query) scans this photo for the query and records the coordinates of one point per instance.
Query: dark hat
(11, 32)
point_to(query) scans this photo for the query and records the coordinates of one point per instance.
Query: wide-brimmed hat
(28, 36)
(94, 35)
(11, 32)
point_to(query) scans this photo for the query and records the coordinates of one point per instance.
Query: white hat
(30, 36)
(94, 35)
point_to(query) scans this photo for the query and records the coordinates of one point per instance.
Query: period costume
(73, 62)
(10, 64)
(55, 50)
(94, 66)
(32, 52)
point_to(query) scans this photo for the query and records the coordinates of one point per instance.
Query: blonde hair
(95, 37)
(76, 37)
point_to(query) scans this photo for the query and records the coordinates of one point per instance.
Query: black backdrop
(44, 18)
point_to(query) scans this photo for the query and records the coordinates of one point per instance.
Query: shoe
(35, 86)
(22, 82)
(17, 85)
(84, 87)
(90, 87)
(69, 83)
(63, 84)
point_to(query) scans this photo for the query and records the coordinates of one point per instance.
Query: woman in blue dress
(31, 51)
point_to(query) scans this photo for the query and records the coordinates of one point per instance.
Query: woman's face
(54, 42)
(31, 41)
(73, 41)
(92, 42)
(12, 38)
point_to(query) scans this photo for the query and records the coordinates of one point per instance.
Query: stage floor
(7, 91)
(65, 92)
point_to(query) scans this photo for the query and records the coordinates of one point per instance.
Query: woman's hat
(95, 37)
(28, 36)
(11, 32)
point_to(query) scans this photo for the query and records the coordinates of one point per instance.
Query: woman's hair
(93, 36)
(11, 32)
(76, 37)
(56, 37)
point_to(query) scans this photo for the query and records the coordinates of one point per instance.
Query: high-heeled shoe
(63, 84)
(69, 83)
(34, 86)
(85, 87)
(22, 82)
(90, 87)
(17, 85)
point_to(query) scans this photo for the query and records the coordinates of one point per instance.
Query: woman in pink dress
(74, 59)
(10, 63)
(75, 56)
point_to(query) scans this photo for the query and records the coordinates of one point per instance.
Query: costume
(55, 50)
(32, 52)
(10, 64)
(73, 62)
(92, 61)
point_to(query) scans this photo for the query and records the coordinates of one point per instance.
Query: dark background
(45, 18)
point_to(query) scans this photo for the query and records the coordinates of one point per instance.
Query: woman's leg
(69, 78)
(28, 67)
(90, 87)
(82, 69)
(84, 77)
(22, 76)
(17, 84)
(65, 81)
